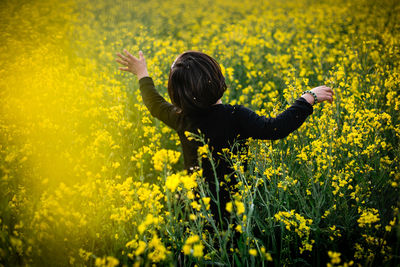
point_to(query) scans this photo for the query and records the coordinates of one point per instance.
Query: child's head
(195, 82)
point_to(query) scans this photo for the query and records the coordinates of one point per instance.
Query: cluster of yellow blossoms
(299, 224)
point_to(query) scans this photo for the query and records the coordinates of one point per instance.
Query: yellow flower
(195, 205)
(268, 256)
(194, 246)
(239, 207)
(229, 206)
(186, 249)
(149, 219)
(189, 182)
(164, 158)
(368, 217)
(206, 201)
(116, 164)
(198, 250)
(190, 195)
(253, 252)
(335, 257)
(141, 247)
(159, 252)
(192, 239)
(203, 150)
(142, 228)
(172, 182)
(189, 135)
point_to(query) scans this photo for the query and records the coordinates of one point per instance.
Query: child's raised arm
(260, 127)
(155, 103)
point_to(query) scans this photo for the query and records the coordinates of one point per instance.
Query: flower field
(89, 178)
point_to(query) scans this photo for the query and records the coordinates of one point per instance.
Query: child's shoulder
(230, 112)
(236, 108)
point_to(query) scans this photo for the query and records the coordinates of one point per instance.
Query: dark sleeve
(260, 127)
(156, 104)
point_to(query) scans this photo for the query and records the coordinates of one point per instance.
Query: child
(195, 87)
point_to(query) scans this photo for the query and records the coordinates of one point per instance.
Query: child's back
(195, 87)
(222, 125)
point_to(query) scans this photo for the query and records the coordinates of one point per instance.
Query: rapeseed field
(89, 178)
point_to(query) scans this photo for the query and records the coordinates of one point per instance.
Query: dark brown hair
(195, 82)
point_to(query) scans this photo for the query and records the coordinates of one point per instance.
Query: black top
(222, 125)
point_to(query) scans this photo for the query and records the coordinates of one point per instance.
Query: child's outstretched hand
(323, 93)
(133, 64)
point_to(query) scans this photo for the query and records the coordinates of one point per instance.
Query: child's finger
(129, 54)
(121, 56)
(141, 55)
(122, 62)
(124, 69)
